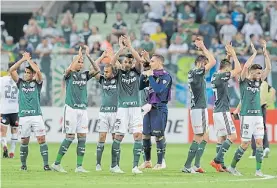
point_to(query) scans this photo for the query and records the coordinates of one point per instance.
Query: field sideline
(171, 177)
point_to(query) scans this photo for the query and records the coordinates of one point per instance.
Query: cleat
(47, 168)
(98, 167)
(136, 170)
(224, 168)
(81, 170)
(116, 170)
(11, 155)
(157, 167)
(189, 170)
(259, 173)
(58, 168)
(234, 171)
(199, 170)
(266, 152)
(145, 164)
(217, 166)
(5, 152)
(252, 157)
(23, 168)
(163, 164)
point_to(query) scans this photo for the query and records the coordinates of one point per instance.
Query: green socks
(239, 153)
(81, 148)
(23, 153)
(199, 153)
(259, 157)
(191, 154)
(115, 152)
(63, 149)
(44, 153)
(99, 152)
(137, 151)
(224, 148)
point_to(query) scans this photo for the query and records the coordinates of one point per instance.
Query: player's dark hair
(255, 67)
(224, 63)
(200, 58)
(30, 68)
(160, 57)
(129, 56)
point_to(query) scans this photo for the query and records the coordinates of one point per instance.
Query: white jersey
(8, 95)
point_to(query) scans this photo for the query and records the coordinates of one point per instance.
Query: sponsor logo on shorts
(28, 111)
(245, 132)
(117, 123)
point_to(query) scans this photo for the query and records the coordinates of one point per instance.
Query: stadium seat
(96, 17)
(79, 18)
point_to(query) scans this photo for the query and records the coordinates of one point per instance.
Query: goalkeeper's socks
(147, 149)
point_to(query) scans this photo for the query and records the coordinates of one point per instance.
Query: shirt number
(10, 92)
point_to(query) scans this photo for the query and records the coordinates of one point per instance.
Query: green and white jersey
(250, 98)
(220, 90)
(197, 87)
(109, 98)
(76, 89)
(128, 88)
(29, 98)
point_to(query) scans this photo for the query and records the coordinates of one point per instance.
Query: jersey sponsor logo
(224, 78)
(253, 89)
(130, 80)
(28, 111)
(108, 87)
(113, 81)
(108, 108)
(253, 111)
(130, 103)
(80, 105)
(79, 83)
(26, 90)
(132, 73)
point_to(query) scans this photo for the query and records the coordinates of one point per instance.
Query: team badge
(257, 84)
(32, 84)
(132, 73)
(83, 76)
(164, 81)
(113, 81)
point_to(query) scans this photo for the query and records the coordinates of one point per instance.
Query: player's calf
(43, 151)
(100, 149)
(24, 150)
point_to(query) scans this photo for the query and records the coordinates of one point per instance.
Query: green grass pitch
(171, 177)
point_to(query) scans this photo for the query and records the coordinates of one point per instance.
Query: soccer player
(108, 109)
(75, 113)
(159, 82)
(8, 112)
(223, 122)
(129, 116)
(30, 116)
(199, 112)
(251, 111)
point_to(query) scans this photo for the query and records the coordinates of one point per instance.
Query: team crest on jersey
(132, 73)
(164, 81)
(32, 84)
(257, 84)
(113, 81)
(83, 76)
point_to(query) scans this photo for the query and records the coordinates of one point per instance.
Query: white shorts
(128, 120)
(251, 125)
(199, 120)
(223, 123)
(30, 124)
(106, 122)
(75, 120)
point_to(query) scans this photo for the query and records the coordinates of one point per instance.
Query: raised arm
(14, 68)
(118, 53)
(267, 69)
(36, 69)
(237, 68)
(200, 44)
(248, 63)
(95, 69)
(74, 62)
(136, 55)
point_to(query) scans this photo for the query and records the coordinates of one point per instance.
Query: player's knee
(25, 140)
(41, 139)
(137, 136)
(14, 130)
(259, 142)
(198, 137)
(71, 136)
(81, 135)
(245, 144)
(232, 137)
(146, 137)
(4, 130)
(119, 136)
(221, 139)
(159, 138)
(102, 137)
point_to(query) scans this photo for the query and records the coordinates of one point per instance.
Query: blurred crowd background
(162, 27)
